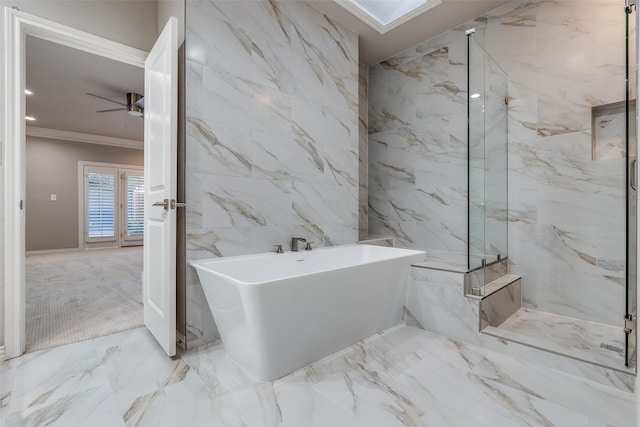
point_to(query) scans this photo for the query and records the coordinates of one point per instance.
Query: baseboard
(51, 251)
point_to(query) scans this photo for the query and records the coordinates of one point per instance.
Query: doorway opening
(160, 146)
(84, 204)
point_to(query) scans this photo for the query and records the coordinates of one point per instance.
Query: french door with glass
(112, 205)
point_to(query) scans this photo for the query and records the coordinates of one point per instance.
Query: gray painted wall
(132, 22)
(52, 168)
(167, 8)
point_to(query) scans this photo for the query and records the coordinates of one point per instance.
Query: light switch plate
(54, 197)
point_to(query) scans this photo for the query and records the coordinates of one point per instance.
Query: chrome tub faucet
(294, 243)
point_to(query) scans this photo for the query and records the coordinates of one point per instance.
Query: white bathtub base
(273, 328)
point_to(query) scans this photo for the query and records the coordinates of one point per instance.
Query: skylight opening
(384, 15)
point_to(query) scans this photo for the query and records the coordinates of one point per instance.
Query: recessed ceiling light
(28, 92)
(475, 95)
(388, 14)
(30, 118)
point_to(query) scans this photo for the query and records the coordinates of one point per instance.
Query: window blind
(101, 194)
(135, 205)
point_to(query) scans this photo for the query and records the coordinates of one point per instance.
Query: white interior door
(160, 182)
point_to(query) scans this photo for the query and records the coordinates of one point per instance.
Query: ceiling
(376, 47)
(60, 77)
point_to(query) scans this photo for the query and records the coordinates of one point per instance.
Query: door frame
(18, 25)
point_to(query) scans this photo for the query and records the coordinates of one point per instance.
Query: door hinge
(506, 101)
(628, 323)
(21, 204)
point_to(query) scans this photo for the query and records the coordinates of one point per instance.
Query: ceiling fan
(134, 105)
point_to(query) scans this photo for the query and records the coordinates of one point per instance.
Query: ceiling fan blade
(113, 109)
(106, 99)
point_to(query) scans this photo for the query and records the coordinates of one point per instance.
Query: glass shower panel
(632, 168)
(495, 163)
(487, 123)
(476, 132)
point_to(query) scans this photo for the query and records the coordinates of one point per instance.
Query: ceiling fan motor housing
(133, 104)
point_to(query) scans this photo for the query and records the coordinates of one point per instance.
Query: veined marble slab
(589, 341)
(436, 302)
(566, 211)
(499, 283)
(402, 376)
(444, 260)
(272, 147)
(501, 304)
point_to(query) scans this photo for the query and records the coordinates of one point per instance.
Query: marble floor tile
(137, 366)
(44, 377)
(280, 403)
(403, 376)
(507, 373)
(7, 374)
(217, 369)
(447, 384)
(189, 402)
(94, 407)
(580, 339)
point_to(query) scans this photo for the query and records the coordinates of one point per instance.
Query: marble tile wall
(566, 212)
(435, 301)
(500, 305)
(2, 314)
(272, 134)
(418, 145)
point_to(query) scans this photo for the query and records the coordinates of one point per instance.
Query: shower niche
(607, 121)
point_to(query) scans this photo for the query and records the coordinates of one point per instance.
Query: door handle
(164, 204)
(175, 204)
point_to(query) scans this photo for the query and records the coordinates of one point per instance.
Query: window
(101, 215)
(113, 206)
(134, 205)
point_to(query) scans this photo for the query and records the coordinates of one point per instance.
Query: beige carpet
(74, 296)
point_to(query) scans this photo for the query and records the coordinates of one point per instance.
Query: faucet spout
(295, 241)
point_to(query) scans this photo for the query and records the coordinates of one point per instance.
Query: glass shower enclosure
(631, 149)
(487, 128)
(598, 248)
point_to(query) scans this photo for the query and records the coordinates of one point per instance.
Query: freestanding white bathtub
(279, 312)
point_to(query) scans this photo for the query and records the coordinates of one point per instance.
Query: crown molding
(84, 137)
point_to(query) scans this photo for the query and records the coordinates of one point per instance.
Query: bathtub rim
(197, 264)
